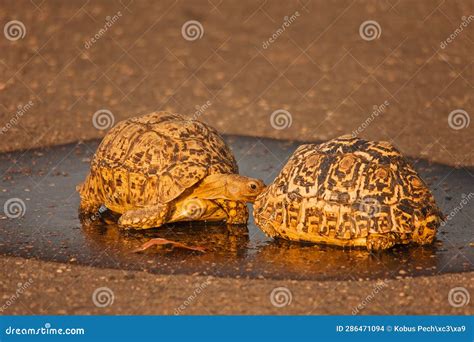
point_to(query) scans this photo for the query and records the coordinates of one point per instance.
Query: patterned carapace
(161, 167)
(349, 192)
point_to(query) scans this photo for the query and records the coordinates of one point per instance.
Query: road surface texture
(68, 289)
(329, 64)
(305, 70)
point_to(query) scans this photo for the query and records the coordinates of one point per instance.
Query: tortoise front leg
(378, 242)
(237, 212)
(152, 217)
(144, 218)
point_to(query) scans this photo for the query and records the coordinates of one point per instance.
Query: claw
(160, 241)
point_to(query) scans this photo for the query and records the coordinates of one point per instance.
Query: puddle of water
(45, 181)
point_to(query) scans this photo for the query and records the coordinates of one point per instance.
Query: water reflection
(348, 263)
(230, 251)
(218, 239)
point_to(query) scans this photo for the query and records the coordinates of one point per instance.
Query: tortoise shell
(342, 191)
(155, 157)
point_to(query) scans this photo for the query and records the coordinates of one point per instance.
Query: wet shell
(341, 191)
(155, 158)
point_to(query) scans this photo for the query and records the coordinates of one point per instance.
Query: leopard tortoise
(349, 192)
(161, 167)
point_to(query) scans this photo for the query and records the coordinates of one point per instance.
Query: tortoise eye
(253, 186)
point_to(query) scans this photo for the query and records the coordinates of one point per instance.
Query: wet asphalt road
(44, 181)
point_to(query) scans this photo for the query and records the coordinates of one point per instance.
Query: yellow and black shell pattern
(341, 191)
(154, 158)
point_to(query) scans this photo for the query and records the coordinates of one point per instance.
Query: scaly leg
(237, 212)
(144, 218)
(379, 242)
(425, 230)
(151, 217)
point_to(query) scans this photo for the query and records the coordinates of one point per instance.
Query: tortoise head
(241, 188)
(231, 187)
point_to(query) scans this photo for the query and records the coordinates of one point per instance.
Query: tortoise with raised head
(349, 192)
(161, 167)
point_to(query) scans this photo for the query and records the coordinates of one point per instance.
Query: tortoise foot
(144, 218)
(378, 242)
